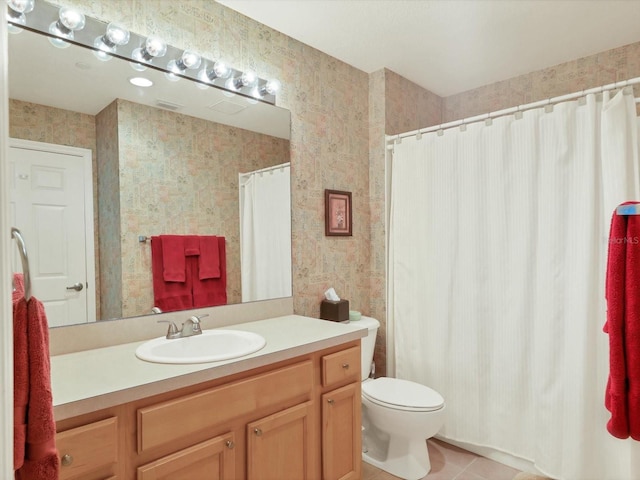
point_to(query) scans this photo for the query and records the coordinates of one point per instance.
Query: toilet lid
(402, 394)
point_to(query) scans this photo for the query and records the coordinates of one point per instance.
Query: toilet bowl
(397, 417)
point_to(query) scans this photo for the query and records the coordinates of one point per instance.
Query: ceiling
(451, 46)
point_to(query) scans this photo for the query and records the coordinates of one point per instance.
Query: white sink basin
(211, 346)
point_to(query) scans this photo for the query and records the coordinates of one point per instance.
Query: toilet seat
(399, 394)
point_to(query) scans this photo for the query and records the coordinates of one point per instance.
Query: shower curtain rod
(391, 139)
(266, 169)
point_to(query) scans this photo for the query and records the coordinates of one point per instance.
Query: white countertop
(91, 380)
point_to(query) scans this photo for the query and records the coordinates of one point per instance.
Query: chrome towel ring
(22, 248)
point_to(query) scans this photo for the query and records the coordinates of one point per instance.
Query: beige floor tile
(447, 453)
(491, 470)
(443, 471)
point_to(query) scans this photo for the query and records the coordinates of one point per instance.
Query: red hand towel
(20, 372)
(209, 265)
(173, 261)
(622, 291)
(632, 324)
(212, 291)
(168, 296)
(40, 455)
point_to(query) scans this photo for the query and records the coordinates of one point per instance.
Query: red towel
(173, 261)
(39, 459)
(211, 291)
(168, 296)
(191, 245)
(209, 265)
(622, 291)
(20, 372)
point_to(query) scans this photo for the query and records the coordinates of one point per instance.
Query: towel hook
(22, 248)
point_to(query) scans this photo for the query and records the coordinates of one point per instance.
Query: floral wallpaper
(109, 212)
(339, 118)
(179, 175)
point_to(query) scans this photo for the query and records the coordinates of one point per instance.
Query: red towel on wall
(36, 457)
(622, 291)
(209, 264)
(168, 296)
(173, 261)
(212, 291)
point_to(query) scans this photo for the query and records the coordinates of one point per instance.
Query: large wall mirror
(173, 158)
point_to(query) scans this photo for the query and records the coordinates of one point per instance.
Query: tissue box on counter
(337, 311)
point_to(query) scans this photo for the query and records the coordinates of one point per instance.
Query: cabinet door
(279, 446)
(213, 460)
(341, 433)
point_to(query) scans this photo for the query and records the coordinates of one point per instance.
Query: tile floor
(451, 463)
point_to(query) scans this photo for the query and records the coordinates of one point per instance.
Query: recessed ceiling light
(140, 81)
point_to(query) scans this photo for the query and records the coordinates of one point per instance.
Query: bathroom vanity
(288, 411)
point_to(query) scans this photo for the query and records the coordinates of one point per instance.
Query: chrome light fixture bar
(114, 40)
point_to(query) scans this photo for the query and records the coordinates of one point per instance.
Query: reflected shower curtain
(265, 234)
(497, 250)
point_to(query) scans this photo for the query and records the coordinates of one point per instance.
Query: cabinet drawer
(88, 448)
(339, 366)
(166, 422)
(212, 459)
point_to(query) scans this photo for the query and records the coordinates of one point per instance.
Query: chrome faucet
(189, 328)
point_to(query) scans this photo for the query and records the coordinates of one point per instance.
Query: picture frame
(337, 213)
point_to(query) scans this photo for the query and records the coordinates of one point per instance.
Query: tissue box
(335, 311)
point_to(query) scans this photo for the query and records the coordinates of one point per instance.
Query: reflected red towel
(191, 245)
(209, 265)
(168, 296)
(173, 261)
(40, 460)
(622, 291)
(211, 291)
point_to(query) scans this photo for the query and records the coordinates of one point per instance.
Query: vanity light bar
(143, 52)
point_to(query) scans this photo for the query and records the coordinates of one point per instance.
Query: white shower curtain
(497, 248)
(265, 234)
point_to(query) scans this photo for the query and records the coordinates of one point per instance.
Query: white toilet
(397, 417)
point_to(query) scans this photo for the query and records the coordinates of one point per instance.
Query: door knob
(76, 286)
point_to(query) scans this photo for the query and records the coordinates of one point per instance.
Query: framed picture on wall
(337, 213)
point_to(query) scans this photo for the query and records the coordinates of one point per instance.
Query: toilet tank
(368, 343)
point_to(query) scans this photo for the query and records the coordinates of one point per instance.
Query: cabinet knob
(66, 460)
(345, 366)
(230, 444)
(258, 432)
(331, 401)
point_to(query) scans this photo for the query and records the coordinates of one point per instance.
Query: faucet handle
(173, 331)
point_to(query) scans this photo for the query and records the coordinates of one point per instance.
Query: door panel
(48, 206)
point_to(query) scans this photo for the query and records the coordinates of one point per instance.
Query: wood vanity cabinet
(298, 419)
(341, 415)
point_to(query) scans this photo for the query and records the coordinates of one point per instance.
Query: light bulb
(71, 18)
(153, 47)
(247, 79)
(69, 21)
(219, 70)
(21, 6)
(156, 47)
(189, 59)
(116, 34)
(106, 44)
(16, 14)
(271, 88)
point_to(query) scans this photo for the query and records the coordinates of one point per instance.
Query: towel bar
(22, 248)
